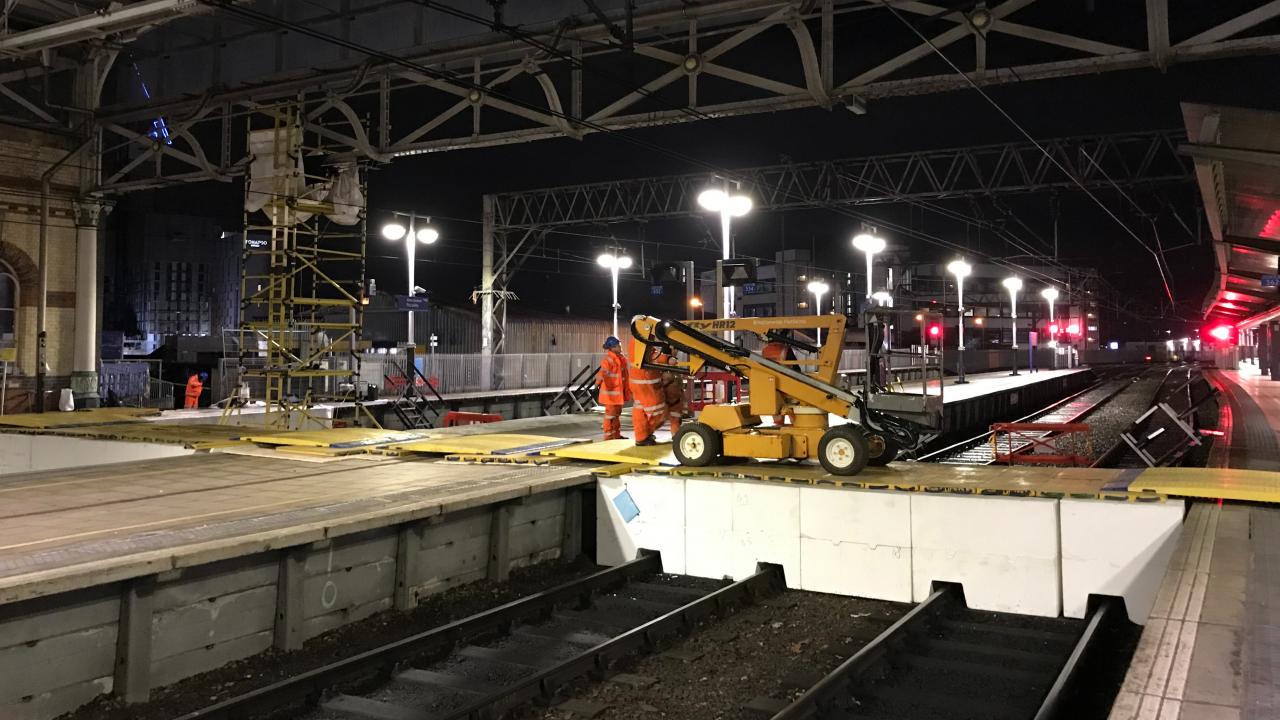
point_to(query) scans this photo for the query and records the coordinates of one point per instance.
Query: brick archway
(26, 271)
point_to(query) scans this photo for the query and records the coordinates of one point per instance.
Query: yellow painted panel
(336, 437)
(619, 451)
(1212, 483)
(93, 416)
(476, 444)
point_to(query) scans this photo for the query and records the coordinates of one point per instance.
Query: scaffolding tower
(302, 278)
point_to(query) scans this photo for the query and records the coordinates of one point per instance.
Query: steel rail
(833, 688)
(381, 661)
(1060, 692)
(768, 578)
(956, 448)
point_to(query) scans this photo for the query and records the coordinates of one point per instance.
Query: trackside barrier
(1042, 443)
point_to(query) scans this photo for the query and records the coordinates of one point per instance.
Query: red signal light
(935, 331)
(1053, 329)
(1221, 332)
(1073, 329)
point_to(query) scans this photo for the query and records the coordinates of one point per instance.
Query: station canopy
(1237, 160)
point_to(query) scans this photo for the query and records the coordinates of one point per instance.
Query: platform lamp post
(729, 206)
(614, 261)
(868, 245)
(1050, 294)
(1013, 285)
(818, 288)
(961, 270)
(412, 234)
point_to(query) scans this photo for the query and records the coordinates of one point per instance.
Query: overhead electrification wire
(456, 79)
(460, 81)
(1075, 180)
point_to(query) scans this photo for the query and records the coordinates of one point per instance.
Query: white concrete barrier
(29, 453)
(1035, 556)
(1003, 550)
(1120, 549)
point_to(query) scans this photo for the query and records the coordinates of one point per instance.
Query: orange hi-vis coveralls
(673, 393)
(194, 388)
(649, 410)
(615, 391)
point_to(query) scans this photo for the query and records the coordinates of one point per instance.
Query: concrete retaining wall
(27, 453)
(59, 652)
(1036, 556)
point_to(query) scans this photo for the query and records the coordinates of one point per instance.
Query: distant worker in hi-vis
(195, 386)
(615, 390)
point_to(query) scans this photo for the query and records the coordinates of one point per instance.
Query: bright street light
(1050, 294)
(1013, 285)
(882, 298)
(818, 288)
(869, 245)
(961, 270)
(395, 231)
(729, 206)
(614, 261)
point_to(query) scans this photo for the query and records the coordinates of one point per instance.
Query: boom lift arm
(776, 389)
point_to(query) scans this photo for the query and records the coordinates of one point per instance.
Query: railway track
(487, 664)
(1175, 379)
(978, 450)
(945, 661)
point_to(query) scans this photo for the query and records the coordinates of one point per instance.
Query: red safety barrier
(457, 417)
(714, 388)
(1042, 443)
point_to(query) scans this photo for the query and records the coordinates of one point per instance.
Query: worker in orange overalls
(649, 410)
(615, 390)
(673, 393)
(779, 352)
(195, 386)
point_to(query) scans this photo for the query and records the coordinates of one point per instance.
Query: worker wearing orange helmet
(649, 410)
(779, 352)
(615, 390)
(195, 386)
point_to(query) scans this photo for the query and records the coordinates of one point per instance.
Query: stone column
(84, 369)
(1273, 338)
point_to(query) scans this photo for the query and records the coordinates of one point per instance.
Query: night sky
(448, 186)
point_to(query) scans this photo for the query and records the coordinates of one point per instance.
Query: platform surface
(979, 384)
(64, 529)
(1212, 648)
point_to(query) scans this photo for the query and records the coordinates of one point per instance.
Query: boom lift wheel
(843, 450)
(883, 449)
(696, 444)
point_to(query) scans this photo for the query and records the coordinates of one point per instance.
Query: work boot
(647, 442)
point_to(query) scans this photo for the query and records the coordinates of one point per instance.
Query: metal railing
(466, 372)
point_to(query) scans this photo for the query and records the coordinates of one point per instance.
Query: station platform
(1211, 650)
(251, 540)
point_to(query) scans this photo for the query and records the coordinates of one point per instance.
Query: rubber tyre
(696, 445)
(843, 450)
(888, 455)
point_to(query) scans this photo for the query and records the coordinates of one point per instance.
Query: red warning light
(1053, 329)
(1221, 332)
(1147, 358)
(1073, 329)
(934, 331)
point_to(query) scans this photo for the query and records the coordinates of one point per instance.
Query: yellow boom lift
(882, 423)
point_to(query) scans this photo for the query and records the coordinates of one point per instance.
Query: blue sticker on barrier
(626, 506)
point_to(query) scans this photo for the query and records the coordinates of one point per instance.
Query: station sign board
(415, 302)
